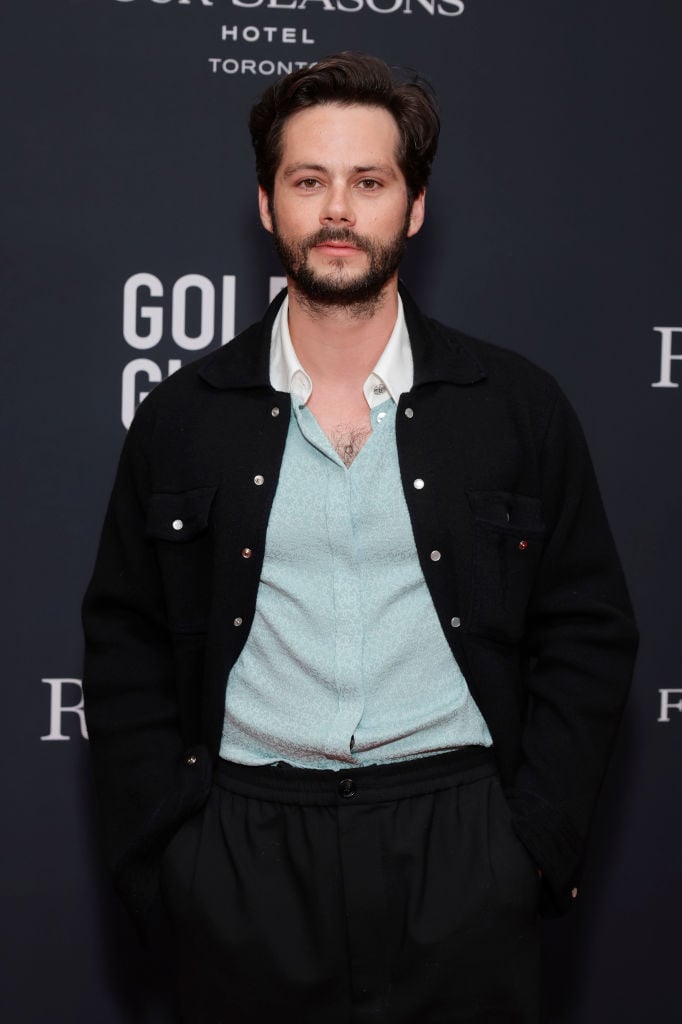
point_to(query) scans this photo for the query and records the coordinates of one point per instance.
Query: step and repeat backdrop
(133, 245)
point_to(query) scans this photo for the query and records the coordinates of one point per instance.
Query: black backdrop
(553, 228)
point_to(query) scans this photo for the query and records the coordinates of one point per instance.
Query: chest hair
(348, 440)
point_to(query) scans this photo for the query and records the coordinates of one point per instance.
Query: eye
(308, 184)
(369, 184)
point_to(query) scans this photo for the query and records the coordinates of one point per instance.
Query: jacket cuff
(554, 845)
(136, 876)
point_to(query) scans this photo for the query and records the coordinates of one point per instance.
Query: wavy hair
(349, 78)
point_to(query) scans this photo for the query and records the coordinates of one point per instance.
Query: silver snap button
(455, 622)
(409, 413)
(238, 621)
(274, 411)
(418, 484)
(259, 480)
(435, 556)
(191, 759)
(246, 552)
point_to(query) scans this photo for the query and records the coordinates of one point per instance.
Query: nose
(337, 207)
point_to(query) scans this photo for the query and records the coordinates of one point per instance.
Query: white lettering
(131, 398)
(230, 66)
(373, 6)
(252, 34)
(448, 8)
(229, 305)
(667, 356)
(193, 342)
(668, 705)
(58, 709)
(276, 285)
(153, 314)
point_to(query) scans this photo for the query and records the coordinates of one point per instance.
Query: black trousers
(395, 894)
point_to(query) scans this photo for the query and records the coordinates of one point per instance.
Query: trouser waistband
(284, 783)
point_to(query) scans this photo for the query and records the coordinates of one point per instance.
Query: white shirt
(393, 373)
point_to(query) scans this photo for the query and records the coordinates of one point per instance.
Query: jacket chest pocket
(508, 539)
(179, 526)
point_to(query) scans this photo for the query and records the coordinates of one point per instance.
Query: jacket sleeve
(146, 780)
(581, 642)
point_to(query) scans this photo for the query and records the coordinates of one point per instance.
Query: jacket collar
(439, 354)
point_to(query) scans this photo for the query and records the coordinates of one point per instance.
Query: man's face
(340, 215)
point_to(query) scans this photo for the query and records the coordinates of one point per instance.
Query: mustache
(336, 235)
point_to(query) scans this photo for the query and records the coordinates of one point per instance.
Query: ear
(417, 214)
(264, 209)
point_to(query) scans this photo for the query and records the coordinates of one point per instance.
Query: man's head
(349, 79)
(343, 154)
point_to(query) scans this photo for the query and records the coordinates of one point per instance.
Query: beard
(338, 287)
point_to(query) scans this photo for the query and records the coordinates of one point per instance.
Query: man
(357, 638)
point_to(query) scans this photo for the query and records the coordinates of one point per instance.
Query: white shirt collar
(393, 373)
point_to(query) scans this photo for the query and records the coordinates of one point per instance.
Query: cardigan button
(409, 413)
(246, 552)
(435, 556)
(574, 892)
(274, 411)
(455, 622)
(177, 524)
(259, 480)
(191, 759)
(418, 484)
(238, 621)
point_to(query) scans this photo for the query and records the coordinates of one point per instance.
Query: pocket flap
(179, 517)
(502, 510)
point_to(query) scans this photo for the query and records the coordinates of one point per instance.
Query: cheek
(297, 219)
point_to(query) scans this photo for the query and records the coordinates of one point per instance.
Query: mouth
(337, 249)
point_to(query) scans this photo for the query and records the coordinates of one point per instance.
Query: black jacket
(528, 587)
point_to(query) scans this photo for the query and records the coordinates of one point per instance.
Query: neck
(341, 344)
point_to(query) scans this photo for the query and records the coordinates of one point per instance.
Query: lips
(337, 249)
(335, 242)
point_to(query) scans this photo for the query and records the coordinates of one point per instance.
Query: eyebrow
(384, 169)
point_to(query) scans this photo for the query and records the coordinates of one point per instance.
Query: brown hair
(349, 78)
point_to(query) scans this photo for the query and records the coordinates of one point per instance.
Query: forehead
(353, 134)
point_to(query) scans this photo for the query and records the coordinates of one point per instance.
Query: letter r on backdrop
(58, 709)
